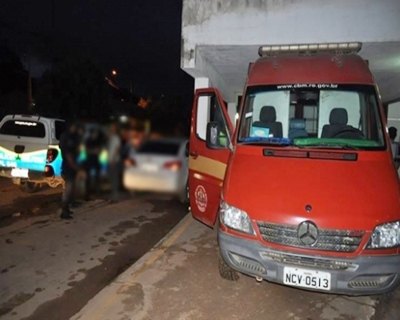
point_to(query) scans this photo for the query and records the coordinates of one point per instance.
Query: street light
(114, 72)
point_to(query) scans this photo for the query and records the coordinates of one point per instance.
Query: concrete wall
(286, 21)
(394, 117)
(250, 23)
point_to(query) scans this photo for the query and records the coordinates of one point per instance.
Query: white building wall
(241, 23)
(394, 117)
(211, 22)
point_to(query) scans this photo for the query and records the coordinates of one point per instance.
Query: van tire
(29, 187)
(225, 271)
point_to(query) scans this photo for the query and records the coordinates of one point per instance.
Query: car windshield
(312, 115)
(160, 148)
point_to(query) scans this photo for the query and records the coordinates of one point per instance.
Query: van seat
(337, 122)
(268, 120)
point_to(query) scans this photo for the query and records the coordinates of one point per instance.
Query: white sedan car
(160, 166)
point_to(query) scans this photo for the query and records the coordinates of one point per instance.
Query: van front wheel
(29, 187)
(225, 271)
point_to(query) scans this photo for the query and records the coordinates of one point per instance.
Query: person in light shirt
(114, 161)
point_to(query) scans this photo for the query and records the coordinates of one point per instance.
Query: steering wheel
(350, 133)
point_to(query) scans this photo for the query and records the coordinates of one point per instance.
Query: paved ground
(53, 269)
(179, 279)
(50, 268)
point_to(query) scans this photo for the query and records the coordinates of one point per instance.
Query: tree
(74, 88)
(168, 116)
(13, 83)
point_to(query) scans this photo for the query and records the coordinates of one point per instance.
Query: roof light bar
(310, 48)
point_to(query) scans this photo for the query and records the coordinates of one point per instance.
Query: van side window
(23, 128)
(209, 110)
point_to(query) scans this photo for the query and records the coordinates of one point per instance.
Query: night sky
(140, 38)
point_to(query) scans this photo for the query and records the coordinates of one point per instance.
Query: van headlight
(235, 218)
(386, 235)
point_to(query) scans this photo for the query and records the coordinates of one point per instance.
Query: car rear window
(162, 148)
(23, 128)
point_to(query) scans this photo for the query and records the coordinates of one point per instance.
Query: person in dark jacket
(69, 146)
(93, 146)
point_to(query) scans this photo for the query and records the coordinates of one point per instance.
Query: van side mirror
(215, 137)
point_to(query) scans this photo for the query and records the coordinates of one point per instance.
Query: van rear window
(23, 128)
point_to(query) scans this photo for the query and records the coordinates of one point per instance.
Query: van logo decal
(307, 233)
(200, 196)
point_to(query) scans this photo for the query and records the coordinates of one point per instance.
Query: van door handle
(193, 154)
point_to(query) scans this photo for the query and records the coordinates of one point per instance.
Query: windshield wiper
(329, 146)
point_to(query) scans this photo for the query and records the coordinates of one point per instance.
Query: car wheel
(29, 187)
(184, 195)
(225, 271)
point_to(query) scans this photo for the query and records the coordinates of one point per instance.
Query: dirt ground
(16, 204)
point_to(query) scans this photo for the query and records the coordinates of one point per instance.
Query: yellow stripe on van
(208, 166)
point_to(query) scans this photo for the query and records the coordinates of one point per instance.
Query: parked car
(29, 152)
(159, 165)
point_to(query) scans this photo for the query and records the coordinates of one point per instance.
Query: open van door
(209, 149)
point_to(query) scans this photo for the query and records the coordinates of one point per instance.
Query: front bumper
(363, 275)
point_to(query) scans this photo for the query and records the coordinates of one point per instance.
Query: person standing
(93, 145)
(69, 146)
(114, 161)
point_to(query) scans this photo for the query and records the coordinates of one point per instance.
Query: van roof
(317, 68)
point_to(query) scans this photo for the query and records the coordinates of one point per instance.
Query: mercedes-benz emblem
(307, 233)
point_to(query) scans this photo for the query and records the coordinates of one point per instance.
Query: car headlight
(235, 218)
(386, 235)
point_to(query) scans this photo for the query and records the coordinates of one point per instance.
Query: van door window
(23, 128)
(209, 110)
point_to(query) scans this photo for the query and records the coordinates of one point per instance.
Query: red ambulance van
(304, 187)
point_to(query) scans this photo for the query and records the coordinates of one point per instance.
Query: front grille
(371, 282)
(364, 284)
(314, 263)
(328, 239)
(249, 265)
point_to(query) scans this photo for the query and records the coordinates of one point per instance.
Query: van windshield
(312, 115)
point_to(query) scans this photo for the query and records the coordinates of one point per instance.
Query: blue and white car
(29, 152)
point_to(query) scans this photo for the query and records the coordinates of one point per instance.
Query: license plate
(150, 167)
(19, 173)
(307, 278)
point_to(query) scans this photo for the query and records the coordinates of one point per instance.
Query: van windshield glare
(312, 115)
